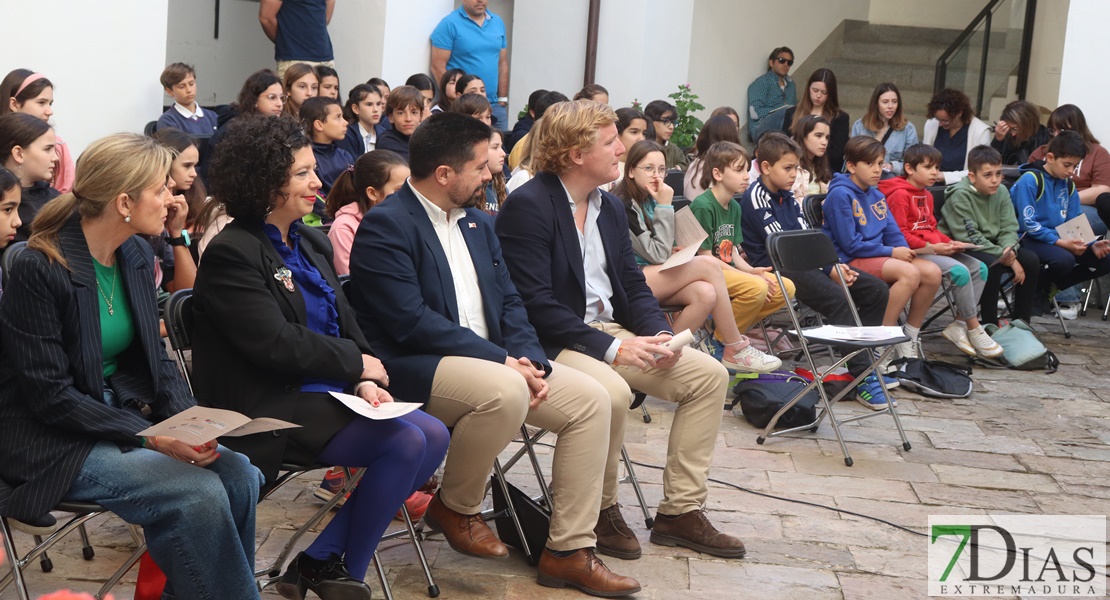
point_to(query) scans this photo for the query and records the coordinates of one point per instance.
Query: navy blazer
(537, 232)
(352, 141)
(51, 375)
(404, 295)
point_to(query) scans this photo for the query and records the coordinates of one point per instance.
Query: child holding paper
(697, 286)
(912, 207)
(1045, 198)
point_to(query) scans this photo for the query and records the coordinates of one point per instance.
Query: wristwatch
(184, 240)
(502, 99)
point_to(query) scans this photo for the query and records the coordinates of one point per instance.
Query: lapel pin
(473, 225)
(285, 276)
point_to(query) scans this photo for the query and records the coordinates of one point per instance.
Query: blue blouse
(319, 298)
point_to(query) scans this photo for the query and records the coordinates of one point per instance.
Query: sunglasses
(785, 61)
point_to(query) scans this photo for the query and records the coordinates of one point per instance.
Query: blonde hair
(564, 127)
(124, 163)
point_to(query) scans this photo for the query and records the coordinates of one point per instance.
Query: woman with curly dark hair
(954, 129)
(273, 335)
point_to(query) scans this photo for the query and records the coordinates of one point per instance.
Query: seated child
(912, 207)
(375, 176)
(754, 292)
(1044, 198)
(363, 113)
(769, 206)
(180, 81)
(698, 287)
(978, 210)
(405, 110)
(868, 239)
(323, 121)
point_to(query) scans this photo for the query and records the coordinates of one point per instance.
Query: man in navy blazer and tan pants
(570, 256)
(435, 299)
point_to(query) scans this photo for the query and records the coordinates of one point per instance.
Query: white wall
(946, 14)
(222, 64)
(1047, 55)
(357, 30)
(407, 42)
(548, 49)
(1082, 83)
(104, 63)
(635, 60)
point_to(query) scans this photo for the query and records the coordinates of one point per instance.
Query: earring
(127, 219)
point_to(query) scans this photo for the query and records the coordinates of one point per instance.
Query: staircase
(864, 55)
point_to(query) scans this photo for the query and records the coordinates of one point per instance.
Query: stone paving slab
(1024, 442)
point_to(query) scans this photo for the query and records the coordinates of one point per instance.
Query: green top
(675, 157)
(117, 330)
(968, 216)
(722, 224)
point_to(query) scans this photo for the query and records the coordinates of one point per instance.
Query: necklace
(110, 298)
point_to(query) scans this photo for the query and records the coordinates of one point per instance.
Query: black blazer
(51, 384)
(404, 295)
(541, 247)
(252, 348)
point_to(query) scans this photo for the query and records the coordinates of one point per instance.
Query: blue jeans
(198, 522)
(500, 116)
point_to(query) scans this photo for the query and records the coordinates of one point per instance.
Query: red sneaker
(333, 482)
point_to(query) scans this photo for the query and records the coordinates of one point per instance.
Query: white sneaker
(1069, 310)
(751, 360)
(985, 346)
(956, 332)
(910, 349)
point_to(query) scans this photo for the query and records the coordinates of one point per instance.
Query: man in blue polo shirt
(299, 31)
(473, 39)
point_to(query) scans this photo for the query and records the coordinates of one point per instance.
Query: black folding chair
(179, 325)
(82, 512)
(807, 250)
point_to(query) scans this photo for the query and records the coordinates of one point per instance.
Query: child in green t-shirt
(754, 292)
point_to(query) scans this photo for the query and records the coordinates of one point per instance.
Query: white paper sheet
(386, 410)
(688, 235)
(854, 334)
(1078, 228)
(199, 425)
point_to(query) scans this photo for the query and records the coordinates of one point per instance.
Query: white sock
(977, 329)
(912, 332)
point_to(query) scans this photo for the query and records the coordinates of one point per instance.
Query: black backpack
(761, 397)
(933, 378)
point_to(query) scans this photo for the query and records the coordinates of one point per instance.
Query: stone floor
(1024, 442)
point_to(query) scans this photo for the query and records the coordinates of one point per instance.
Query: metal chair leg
(388, 593)
(433, 588)
(1060, 318)
(509, 508)
(649, 521)
(17, 568)
(87, 551)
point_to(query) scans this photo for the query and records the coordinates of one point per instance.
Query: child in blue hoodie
(1044, 198)
(868, 239)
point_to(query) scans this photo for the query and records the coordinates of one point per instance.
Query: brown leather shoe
(614, 538)
(467, 534)
(694, 531)
(585, 571)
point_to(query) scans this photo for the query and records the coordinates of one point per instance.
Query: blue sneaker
(870, 394)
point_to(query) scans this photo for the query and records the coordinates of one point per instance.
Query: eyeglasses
(666, 122)
(661, 171)
(1056, 132)
(785, 61)
(273, 97)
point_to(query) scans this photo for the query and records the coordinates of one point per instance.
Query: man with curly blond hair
(567, 248)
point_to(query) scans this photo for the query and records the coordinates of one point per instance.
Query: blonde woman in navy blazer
(84, 370)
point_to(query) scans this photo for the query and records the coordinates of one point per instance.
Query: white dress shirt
(468, 295)
(369, 138)
(189, 114)
(599, 288)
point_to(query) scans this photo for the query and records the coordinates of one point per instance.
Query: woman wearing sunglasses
(770, 93)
